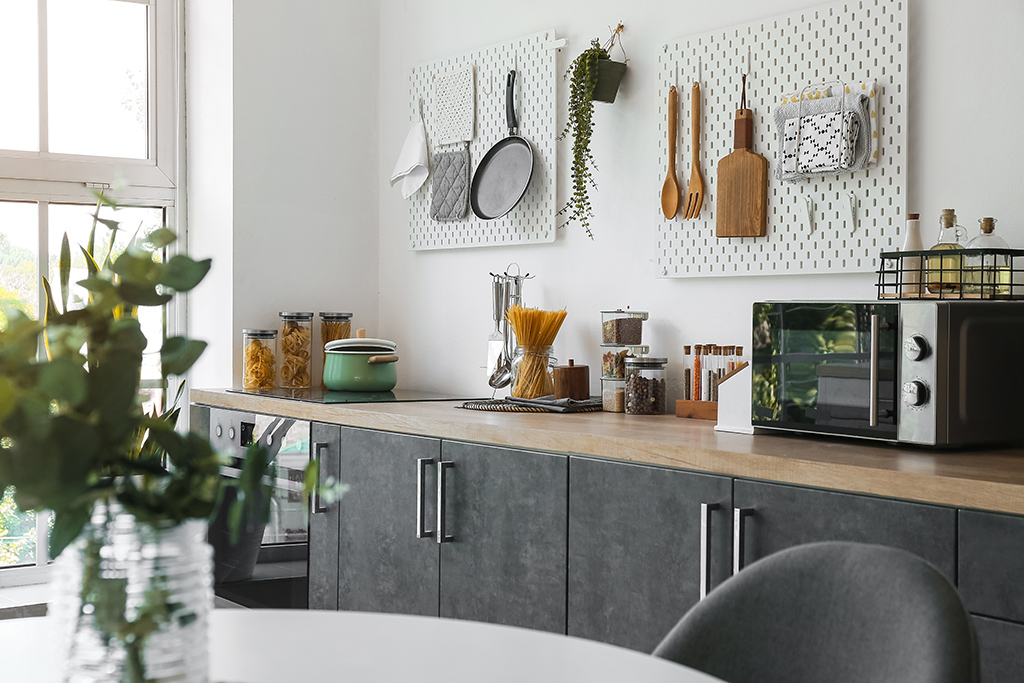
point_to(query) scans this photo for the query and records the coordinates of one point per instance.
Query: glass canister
(622, 327)
(532, 368)
(333, 326)
(259, 359)
(613, 395)
(645, 386)
(296, 350)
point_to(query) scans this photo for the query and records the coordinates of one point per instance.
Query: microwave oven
(929, 372)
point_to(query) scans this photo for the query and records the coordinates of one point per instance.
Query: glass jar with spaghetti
(296, 350)
(333, 326)
(532, 368)
(259, 359)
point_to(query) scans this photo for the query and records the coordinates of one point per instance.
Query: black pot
(609, 75)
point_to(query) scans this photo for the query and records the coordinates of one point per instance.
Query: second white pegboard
(849, 41)
(533, 219)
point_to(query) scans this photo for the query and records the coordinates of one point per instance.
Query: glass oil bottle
(944, 269)
(987, 274)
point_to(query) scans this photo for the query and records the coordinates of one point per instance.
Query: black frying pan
(504, 173)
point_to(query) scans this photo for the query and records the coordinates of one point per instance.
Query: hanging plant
(592, 76)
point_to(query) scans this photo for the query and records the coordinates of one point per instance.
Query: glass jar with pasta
(259, 359)
(333, 326)
(296, 350)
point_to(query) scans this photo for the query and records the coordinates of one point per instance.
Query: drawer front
(992, 564)
(784, 516)
(1001, 649)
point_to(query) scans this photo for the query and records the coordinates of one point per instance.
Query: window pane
(76, 221)
(98, 77)
(17, 533)
(19, 256)
(19, 80)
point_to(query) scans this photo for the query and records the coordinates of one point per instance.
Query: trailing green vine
(582, 77)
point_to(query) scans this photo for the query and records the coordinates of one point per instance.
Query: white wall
(436, 305)
(282, 175)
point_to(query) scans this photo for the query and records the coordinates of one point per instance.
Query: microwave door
(826, 367)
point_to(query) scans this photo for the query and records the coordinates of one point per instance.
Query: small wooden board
(700, 410)
(741, 203)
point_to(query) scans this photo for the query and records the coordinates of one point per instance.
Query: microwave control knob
(915, 393)
(915, 347)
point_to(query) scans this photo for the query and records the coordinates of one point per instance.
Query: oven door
(826, 367)
(267, 565)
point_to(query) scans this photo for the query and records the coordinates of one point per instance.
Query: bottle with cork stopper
(987, 274)
(944, 269)
(910, 266)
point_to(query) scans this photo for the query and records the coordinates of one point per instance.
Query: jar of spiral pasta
(333, 326)
(259, 359)
(296, 350)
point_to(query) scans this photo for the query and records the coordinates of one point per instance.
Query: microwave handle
(876, 325)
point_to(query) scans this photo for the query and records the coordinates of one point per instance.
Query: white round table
(276, 646)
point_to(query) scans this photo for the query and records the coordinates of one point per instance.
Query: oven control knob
(915, 393)
(915, 347)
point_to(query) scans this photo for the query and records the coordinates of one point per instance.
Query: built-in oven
(938, 373)
(266, 566)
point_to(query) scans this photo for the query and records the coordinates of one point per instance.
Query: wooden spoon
(670, 190)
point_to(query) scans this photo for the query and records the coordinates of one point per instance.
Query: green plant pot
(359, 371)
(609, 75)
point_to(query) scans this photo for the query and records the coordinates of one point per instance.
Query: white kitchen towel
(826, 143)
(411, 167)
(453, 107)
(786, 160)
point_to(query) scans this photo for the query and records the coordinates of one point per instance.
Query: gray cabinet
(505, 511)
(1001, 648)
(635, 548)
(382, 565)
(777, 516)
(323, 522)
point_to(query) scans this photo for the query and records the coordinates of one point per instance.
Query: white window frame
(158, 182)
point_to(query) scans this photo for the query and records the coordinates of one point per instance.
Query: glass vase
(532, 368)
(132, 600)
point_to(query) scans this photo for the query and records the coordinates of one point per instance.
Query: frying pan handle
(510, 107)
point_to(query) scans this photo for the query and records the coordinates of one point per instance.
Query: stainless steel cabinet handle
(318, 447)
(705, 547)
(876, 325)
(421, 498)
(737, 538)
(442, 535)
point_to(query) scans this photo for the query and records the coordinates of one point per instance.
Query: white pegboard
(849, 41)
(533, 219)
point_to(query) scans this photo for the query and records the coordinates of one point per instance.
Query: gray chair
(830, 613)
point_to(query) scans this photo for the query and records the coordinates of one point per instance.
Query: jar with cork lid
(987, 272)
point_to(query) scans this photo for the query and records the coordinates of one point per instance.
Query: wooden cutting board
(742, 201)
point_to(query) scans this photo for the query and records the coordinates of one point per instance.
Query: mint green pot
(359, 371)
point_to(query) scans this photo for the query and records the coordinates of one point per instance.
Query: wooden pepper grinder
(572, 381)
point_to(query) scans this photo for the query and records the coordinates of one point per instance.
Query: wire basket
(996, 274)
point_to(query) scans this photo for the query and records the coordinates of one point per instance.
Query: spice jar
(532, 368)
(645, 386)
(333, 326)
(296, 350)
(259, 359)
(624, 328)
(613, 395)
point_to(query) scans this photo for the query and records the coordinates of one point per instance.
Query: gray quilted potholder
(449, 196)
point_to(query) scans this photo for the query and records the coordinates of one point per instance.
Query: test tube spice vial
(687, 372)
(698, 350)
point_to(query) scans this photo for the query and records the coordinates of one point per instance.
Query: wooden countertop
(987, 479)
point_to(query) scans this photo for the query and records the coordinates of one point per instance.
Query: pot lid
(361, 345)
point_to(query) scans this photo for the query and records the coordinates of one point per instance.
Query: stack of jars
(631, 381)
(270, 361)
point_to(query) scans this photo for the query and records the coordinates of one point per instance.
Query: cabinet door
(382, 565)
(323, 522)
(992, 564)
(506, 511)
(783, 516)
(1001, 649)
(635, 548)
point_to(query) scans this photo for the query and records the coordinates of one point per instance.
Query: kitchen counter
(987, 479)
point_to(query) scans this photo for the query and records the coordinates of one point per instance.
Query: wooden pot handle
(374, 360)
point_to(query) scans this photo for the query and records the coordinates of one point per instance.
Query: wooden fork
(695, 192)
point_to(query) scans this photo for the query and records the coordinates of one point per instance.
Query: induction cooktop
(318, 395)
